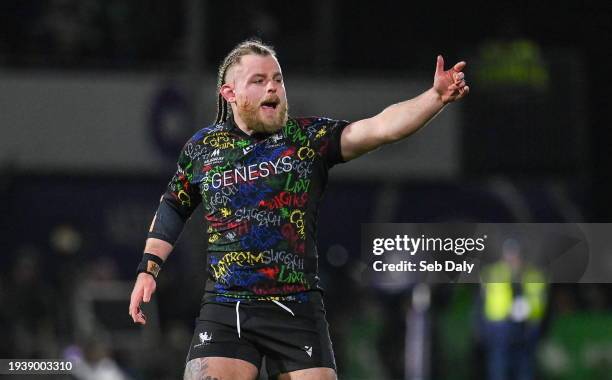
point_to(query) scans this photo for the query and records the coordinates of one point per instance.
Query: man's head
(251, 82)
(511, 250)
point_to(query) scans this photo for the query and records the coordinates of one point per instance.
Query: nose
(272, 86)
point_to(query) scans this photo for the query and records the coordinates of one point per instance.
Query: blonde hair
(250, 46)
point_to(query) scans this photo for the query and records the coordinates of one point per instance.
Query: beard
(254, 119)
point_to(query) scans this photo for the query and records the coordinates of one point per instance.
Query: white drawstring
(238, 314)
(284, 307)
(238, 318)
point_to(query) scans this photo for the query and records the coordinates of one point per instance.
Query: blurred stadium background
(97, 98)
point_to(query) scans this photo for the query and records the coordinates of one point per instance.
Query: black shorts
(288, 342)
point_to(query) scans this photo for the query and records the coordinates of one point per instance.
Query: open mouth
(270, 104)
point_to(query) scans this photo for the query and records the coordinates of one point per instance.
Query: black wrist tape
(150, 264)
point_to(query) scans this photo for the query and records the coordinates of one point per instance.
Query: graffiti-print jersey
(260, 196)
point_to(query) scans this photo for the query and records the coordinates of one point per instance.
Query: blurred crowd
(89, 33)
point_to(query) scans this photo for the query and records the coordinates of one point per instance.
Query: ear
(227, 91)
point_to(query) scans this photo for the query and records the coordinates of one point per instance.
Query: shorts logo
(308, 350)
(204, 339)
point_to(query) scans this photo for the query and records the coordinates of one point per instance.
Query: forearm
(392, 124)
(148, 270)
(403, 119)
(400, 120)
(158, 247)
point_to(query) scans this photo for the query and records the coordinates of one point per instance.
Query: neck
(241, 124)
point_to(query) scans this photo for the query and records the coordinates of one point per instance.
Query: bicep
(361, 137)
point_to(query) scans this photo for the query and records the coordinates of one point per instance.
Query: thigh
(218, 368)
(292, 343)
(216, 343)
(309, 374)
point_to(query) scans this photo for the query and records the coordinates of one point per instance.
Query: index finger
(138, 316)
(459, 66)
(135, 303)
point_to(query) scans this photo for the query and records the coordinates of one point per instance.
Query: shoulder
(196, 146)
(305, 122)
(315, 126)
(208, 130)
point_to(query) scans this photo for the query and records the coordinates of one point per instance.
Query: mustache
(272, 99)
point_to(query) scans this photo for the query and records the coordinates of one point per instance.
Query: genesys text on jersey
(412, 245)
(251, 172)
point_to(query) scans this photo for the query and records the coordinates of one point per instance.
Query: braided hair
(250, 46)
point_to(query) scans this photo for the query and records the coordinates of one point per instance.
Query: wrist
(436, 97)
(145, 275)
(150, 264)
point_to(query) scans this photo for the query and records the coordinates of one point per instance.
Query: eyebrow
(259, 75)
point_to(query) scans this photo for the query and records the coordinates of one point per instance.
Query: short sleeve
(181, 187)
(325, 136)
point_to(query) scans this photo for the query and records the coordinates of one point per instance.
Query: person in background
(514, 297)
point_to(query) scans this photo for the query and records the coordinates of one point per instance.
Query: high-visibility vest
(499, 297)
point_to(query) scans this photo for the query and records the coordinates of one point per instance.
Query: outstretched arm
(402, 119)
